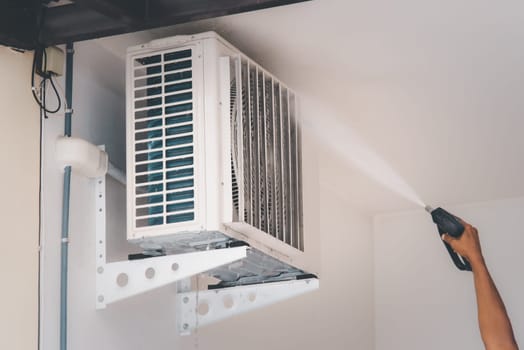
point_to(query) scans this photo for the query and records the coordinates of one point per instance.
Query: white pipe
(116, 174)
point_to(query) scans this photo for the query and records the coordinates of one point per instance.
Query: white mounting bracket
(200, 308)
(123, 279)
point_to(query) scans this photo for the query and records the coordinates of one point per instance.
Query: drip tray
(256, 268)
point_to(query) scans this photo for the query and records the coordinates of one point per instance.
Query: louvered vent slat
(277, 129)
(266, 153)
(163, 138)
(245, 144)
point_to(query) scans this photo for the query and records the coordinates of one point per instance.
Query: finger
(451, 241)
(447, 238)
(467, 226)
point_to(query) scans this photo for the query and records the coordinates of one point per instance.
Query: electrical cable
(47, 76)
(62, 93)
(40, 50)
(43, 93)
(59, 98)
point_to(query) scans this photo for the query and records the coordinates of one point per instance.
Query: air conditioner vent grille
(266, 154)
(163, 138)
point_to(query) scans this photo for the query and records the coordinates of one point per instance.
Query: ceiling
(24, 24)
(435, 88)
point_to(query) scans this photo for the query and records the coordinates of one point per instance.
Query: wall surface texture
(19, 156)
(422, 300)
(339, 314)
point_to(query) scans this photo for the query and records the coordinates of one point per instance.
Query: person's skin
(495, 326)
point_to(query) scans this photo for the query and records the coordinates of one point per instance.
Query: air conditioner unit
(214, 158)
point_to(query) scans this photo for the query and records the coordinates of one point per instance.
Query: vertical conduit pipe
(69, 88)
(65, 201)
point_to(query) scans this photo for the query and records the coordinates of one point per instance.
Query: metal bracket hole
(122, 279)
(203, 309)
(150, 273)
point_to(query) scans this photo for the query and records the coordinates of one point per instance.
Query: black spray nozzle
(451, 225)
(447, 222)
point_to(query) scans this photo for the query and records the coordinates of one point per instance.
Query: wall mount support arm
(123, 279)
(200, 308)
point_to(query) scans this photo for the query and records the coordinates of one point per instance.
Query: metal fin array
(266, 153)
(163, 138)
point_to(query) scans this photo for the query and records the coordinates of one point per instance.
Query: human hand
(468, 245)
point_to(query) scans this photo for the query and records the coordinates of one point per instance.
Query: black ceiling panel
(24, 23)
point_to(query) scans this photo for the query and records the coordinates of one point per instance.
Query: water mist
(321, 122)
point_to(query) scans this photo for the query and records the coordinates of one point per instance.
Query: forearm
(495, 326)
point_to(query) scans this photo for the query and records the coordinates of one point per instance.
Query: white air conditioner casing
(213, 155)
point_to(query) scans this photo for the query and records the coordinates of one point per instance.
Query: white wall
(19, 156)
(339, 314)
(421, 300)
(97, 117)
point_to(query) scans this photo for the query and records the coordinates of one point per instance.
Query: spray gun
(448, 223)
